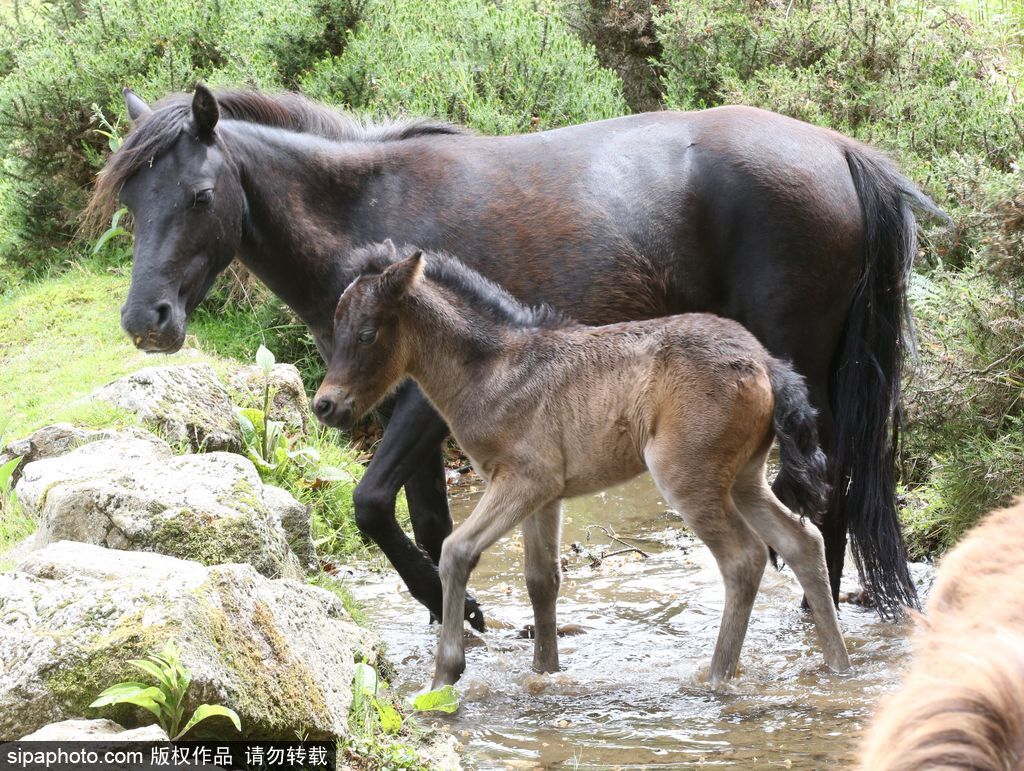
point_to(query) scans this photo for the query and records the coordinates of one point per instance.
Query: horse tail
(803, 472)
(866, 379)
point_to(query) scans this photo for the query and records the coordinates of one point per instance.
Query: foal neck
(455, 349)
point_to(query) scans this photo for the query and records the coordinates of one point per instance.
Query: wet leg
(802, 546)
(412, 438)
(542, 536)
(505, 504)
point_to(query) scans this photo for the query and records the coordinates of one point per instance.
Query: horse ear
(137, 109)
(205, 111)
(400, 277)
(390, 246)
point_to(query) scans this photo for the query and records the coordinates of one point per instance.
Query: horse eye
(204, 197)
(367, 336)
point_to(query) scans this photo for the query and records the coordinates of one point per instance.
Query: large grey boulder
(288, 401)
(56, 440)
(135, 494)
(280, 653)
(185, 404)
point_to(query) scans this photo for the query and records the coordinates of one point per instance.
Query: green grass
(60, 339)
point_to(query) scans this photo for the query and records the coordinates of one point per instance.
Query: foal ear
(205, 111)
(137, 109)
(400, 277)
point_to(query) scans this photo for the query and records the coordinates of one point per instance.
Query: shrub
(500, 68)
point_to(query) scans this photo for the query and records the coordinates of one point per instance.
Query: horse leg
(506, 503)
(542, 535)
(411, 439)
(427, 495)
(708, 510)
(802, 546)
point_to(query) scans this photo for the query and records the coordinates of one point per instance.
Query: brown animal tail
(803, 475)
(966, 711)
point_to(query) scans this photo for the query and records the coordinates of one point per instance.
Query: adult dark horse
(802, 235)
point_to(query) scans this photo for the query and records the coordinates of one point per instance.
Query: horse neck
(454, 351)
(299, 190)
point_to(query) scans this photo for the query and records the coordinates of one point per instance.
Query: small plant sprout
(166, 699)
(112, 232)
(367, 687)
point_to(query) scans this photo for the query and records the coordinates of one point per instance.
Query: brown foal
(547, 409)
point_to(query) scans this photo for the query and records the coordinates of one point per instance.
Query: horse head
(176, 178)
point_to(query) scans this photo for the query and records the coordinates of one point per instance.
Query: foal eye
(204, 197)
(367, 336)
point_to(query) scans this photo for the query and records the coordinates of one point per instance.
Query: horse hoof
(474, 615)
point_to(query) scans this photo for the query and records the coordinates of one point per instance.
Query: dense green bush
(500, 68)
(965, 404)
(919, 80)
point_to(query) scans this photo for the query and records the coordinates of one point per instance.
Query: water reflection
(630, 694)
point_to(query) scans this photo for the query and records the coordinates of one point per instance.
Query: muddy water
(631, 693)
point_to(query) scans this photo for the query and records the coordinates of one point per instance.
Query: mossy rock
(280, 653)
(134, 494)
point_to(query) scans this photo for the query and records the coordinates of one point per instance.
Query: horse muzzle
(333, 408)
(154, 330)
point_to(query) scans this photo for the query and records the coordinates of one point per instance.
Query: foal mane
(491, 299)
(290, 111)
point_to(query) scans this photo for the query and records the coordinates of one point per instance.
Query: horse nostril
(163, 315)
(323, 407)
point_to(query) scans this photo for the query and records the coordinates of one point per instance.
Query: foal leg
(802, 546)
(542, 535)
(505, 504)
(708, 510)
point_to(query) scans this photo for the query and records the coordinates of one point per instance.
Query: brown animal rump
(961, 705)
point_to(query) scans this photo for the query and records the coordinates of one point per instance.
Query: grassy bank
(60, 339)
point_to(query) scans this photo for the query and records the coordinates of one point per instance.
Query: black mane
(293, 112)
(491, 299)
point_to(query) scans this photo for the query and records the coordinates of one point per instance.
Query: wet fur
(961, 704)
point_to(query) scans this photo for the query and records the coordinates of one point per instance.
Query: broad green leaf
(444, 699)
(150, 668)
(115, 692)
(265, 359)
(204, 711)
(149, 698)
(390, 720)
(7, 472)
(365, 679)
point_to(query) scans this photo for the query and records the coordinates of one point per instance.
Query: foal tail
(804, 469)
(866, 379)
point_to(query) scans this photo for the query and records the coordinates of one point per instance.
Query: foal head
(370, 352)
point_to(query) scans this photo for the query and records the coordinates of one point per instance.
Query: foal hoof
(473, 614)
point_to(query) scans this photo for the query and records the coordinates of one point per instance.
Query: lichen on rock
(280, 653)
(135, 494)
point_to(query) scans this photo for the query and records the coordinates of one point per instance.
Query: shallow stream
(630, 694)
